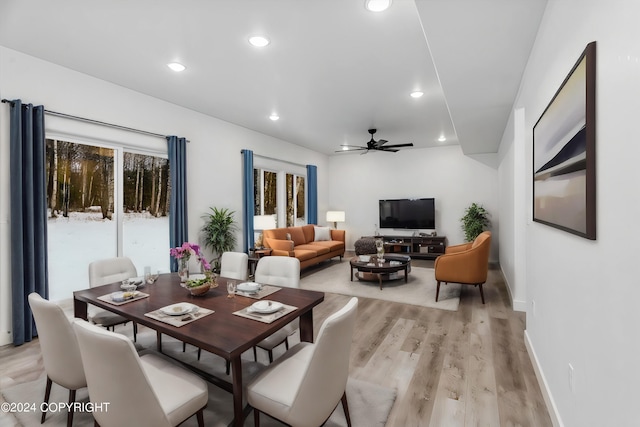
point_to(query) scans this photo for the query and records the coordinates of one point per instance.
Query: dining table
(223, 332)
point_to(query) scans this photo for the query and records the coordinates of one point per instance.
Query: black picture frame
(564, 145)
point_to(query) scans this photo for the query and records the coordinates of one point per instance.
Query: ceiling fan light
(442, 138)
(259, 41)
(274, 117)
(377, 5)
(417, 94)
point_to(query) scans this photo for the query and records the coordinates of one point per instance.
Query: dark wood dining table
(222, 333)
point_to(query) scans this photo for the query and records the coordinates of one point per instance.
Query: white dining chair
(59, 348)
(280, 271)
(143, 390)
(234, 265)
(107, 271)
(304, 386)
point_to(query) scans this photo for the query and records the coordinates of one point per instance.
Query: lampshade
(335, 216)
(264, 222)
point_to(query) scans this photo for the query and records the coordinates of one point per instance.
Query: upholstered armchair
(467, 263)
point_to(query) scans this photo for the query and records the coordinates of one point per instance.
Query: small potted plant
(218, 233)
(474, 222)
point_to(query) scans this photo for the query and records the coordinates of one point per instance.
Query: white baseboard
(544, 387)
(518, 305)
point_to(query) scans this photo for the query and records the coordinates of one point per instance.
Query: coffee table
(382, 270)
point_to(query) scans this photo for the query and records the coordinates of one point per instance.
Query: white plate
(197, 276)
(264, 307)
(364, 258)
(179, 309)
(120, 296)
(249, 287)
(138, 281)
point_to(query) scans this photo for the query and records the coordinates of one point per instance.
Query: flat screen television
(408, 213)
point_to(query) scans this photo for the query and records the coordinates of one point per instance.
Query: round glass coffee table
(382, 269)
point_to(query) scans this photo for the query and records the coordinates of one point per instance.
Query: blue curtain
(247, 199)
(178, 201)
(28, 215)
(312, 194)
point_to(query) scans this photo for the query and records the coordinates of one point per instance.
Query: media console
(419, 247)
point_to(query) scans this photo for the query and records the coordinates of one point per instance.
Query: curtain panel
(178, 234)
(247, 200)
(28, 215)
(312, 194)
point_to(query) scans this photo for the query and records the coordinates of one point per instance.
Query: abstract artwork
(564, 176)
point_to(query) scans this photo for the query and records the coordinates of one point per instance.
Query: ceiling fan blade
(381, 142)
(392, 150)
(409, 144)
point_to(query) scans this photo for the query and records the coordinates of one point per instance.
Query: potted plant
(218, 233)
(474, 222)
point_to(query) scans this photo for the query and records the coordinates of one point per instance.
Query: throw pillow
(321, 234)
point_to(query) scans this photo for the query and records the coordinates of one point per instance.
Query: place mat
(265, 318)
(179, 321)
(107, 298)
(265, 291)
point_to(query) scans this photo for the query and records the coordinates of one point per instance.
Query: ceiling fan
(374, 145)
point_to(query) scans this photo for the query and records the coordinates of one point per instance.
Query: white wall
(586, 292)
(357, 182)
(214, 159)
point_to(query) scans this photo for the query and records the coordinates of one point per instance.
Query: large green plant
(218, 233)
(474, 222)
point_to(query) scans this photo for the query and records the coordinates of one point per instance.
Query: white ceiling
(332, 70)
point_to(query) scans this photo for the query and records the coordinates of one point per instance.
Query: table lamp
(263, 222)
(335, 217)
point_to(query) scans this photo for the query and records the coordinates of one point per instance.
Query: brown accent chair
(467, 263)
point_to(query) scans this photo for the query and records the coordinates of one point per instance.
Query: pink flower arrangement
(186, 250)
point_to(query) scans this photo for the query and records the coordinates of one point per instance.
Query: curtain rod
(97, 122)
(279, 160)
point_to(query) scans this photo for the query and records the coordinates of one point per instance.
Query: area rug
(369, 404)
(420, 288)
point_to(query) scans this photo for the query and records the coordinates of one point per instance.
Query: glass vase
(183, 269)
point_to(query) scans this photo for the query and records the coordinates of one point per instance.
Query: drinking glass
(231, 289)
(147, 275)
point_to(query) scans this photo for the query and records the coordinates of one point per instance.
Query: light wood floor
(463, 368)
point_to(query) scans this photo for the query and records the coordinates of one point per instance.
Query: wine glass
(231, 289)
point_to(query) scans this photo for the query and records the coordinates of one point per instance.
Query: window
(295, 200)
(103, 202)
(280, 193)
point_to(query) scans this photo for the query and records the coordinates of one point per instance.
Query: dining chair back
(234, 265)
(147, 390)
(303, 387)
(59, 348)
(107, 271)
(279, 271)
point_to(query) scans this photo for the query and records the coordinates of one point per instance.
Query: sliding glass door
(103, 202)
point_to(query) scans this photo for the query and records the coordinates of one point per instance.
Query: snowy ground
(76, 241)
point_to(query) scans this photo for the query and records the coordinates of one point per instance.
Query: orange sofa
(309, 243)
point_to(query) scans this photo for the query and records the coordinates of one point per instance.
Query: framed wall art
(564, 143)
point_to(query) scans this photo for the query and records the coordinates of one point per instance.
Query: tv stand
(419, 247)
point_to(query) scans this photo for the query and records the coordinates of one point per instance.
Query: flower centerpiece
(183, 253)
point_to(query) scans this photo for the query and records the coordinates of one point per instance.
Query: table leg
(380, 280)
(236, 371)
(406, 274)
(80, 309)
(306, 327)
(351, 271)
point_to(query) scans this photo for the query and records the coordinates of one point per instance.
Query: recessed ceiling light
(258, 41)
(416, 94)
(442, 138)
(377, 5)
(274, 117)
(176, 66)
